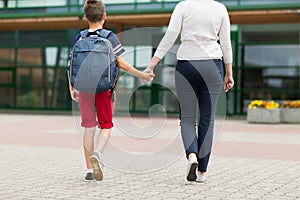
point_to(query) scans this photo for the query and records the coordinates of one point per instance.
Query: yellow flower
(272, 105)
(263, 104)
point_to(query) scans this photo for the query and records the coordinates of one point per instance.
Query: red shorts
(92, 104)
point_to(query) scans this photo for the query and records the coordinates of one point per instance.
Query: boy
(101, 102)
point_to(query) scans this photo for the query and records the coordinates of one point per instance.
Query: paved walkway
(42, 158)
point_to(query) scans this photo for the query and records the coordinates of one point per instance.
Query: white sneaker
(97, 166)
(200, 178)
(192, 169)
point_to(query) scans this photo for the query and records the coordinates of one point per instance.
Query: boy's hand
(74, 94)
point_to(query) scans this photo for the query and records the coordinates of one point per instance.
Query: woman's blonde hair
(94, 10)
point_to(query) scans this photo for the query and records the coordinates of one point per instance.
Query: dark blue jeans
(198, 87)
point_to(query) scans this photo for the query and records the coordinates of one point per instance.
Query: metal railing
(55, 3)
(56, 8)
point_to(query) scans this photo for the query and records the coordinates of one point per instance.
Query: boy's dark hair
(94, 10)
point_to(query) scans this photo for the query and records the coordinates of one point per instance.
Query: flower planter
(262, 115)
(290, 115)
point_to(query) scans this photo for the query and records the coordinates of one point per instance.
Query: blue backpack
(93, 67)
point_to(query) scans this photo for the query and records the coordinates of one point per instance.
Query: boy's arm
(73, 92)
(133, 71)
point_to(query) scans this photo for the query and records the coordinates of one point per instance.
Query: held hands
(149, 70)
(228, 83)
(148, 75)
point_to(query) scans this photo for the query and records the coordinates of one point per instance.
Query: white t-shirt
(202, 23)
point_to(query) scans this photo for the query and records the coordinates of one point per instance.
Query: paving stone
(38, 172)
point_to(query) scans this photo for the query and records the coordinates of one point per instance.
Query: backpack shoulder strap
(104, 33)
(84, 33)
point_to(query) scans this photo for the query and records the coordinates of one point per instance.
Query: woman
(204, 27)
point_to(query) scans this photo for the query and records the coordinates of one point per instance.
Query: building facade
(36, 36)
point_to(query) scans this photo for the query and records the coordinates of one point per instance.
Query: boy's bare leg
(95, 159)
(102, 140)
(88, 145)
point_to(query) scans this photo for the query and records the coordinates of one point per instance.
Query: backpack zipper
(108, 58)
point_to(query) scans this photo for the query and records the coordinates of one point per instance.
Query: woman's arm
(225, 43)
(225, 39)
(169, 38)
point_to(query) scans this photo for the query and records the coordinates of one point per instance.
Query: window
(272, 55)
(7, 57)
(29, 57)
(6, 77)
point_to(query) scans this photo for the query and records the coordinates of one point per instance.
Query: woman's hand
(228, 83)
(153, 62)
(147, 76)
